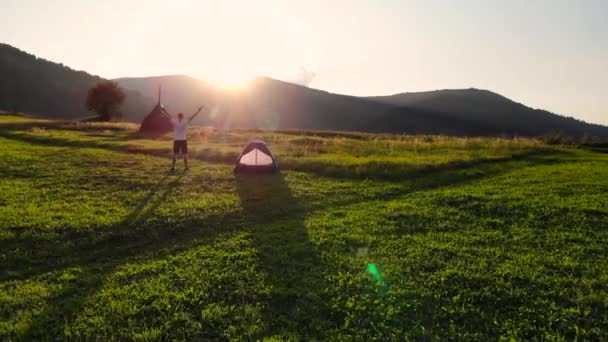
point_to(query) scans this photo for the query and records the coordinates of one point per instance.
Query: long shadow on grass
(455, 174)
(116, 143)
(373, 170)
(82, 247)
(19, 132)
(291, 263)
(88, 258)
(400, 171)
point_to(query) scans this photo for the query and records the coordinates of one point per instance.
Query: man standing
(180, 138)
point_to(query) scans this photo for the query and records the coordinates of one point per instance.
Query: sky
(549, 54)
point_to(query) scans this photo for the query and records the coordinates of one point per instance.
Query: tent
(256, 158)
(158, 121)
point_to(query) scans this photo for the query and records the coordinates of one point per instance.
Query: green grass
(359, 237)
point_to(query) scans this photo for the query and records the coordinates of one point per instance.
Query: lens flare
(268, 121)
(373, 270)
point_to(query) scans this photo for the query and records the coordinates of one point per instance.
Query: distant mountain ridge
(179, 93)
(452, 111)
(38, 86)
(483, 106)
(272, 104)
(35, 85)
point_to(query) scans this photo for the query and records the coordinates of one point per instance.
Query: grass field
(360, 237)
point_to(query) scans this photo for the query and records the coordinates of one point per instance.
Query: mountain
(485, 107)
(270, 103)
(267, 103)
(34, 85)
(179, 93)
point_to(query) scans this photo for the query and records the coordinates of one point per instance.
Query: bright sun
(233, 73)
(232, 79)
(237, 75)
(232, 63)
(214, 42)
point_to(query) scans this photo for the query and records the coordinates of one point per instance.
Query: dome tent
(158, 121)
(256, 158)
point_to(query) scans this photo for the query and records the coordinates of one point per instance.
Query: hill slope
(35, 85)
(497, 111)
(272, 104)
(179, 93)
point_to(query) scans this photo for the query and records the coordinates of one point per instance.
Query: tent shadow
(290, 262)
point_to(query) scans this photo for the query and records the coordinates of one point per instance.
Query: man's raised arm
(195, 114)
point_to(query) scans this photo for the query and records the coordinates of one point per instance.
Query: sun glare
(229, 48)
(233, 82)
(234, 73)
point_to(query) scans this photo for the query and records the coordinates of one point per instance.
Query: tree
(105, 99)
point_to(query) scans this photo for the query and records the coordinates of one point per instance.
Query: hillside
(34, 85)
(179, 93)
(360, 237)
(272, 104)
(269, 103)
(499, 113)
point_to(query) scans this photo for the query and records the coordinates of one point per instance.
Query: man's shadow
(290, 262)
(92, 259)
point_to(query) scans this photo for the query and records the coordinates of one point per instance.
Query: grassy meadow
(359, 237)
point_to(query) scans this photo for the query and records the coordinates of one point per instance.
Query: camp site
(298, 171)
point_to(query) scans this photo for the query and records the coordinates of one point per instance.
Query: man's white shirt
(180, 129)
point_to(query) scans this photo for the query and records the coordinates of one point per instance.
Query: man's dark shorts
(180, 146)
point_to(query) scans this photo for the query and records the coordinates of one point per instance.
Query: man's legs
(185, 152)
(175, 151)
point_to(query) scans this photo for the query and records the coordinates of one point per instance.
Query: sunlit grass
(360, 237)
